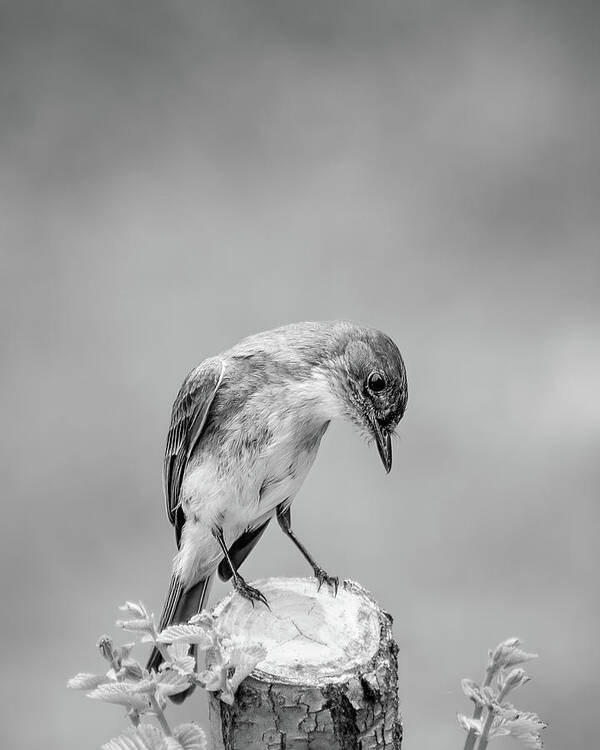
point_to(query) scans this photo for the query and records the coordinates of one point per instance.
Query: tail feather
(180, 605)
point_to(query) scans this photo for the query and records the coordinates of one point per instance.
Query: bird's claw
(322, 577)
(249, 592)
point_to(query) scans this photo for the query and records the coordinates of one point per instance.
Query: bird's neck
(317, 398)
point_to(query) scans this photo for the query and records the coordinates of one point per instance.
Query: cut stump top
(311, 637)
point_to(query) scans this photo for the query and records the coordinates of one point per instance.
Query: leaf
(523, 726)
(170, 743)
(231, 664)
(204, 619)
(518, 656)
(135, 626)
(243, 660)
(506, 710)
(171, 683)
(184, 666)
(144, 737)
(180, 660)
(469, 724)
(121, 693)
(509, 643)
(178, 650)
(214, 678)
(498, 730)
(526, 728)
(134, 608)
(508, 654)
(186, 634)
(190, 737)
(227, 695)
(131, 669)
(499, 655)
(86, 681)
(142, 686)
(472, 690)
(516, 678)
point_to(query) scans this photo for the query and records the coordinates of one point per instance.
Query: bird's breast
(287, 462)
(257, 458)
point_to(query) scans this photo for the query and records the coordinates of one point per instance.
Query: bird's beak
(384, 445)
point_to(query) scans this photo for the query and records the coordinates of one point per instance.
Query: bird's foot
(332, 581)
(249, 592)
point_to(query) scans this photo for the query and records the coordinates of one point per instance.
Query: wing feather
(188, 418)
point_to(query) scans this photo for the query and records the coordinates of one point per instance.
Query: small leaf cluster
(144, 693)
(493, 716)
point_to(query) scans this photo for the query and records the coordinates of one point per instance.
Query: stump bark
(329, 681)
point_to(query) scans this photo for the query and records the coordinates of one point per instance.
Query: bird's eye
(376, 382)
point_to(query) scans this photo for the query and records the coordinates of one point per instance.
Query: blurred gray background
(177, 175)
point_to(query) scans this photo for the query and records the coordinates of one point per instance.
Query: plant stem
(484, 739)
(471, 736)
(161, 647)
(161, 716)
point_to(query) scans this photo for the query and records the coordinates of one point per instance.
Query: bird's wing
(190, 412)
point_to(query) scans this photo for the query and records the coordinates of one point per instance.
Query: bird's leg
(284, 518)
(239, 584)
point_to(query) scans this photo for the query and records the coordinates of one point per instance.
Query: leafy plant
(144, 693)
(493, 716)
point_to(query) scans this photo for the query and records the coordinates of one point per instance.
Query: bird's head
(371, 381)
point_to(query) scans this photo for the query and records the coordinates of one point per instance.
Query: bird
(245, 429)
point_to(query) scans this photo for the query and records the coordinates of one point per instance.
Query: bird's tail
(180, 605)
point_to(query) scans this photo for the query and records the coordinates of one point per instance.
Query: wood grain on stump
(329, 680)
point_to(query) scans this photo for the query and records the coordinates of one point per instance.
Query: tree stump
(329, 681)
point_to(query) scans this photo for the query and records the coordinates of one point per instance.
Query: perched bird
(245, 429)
